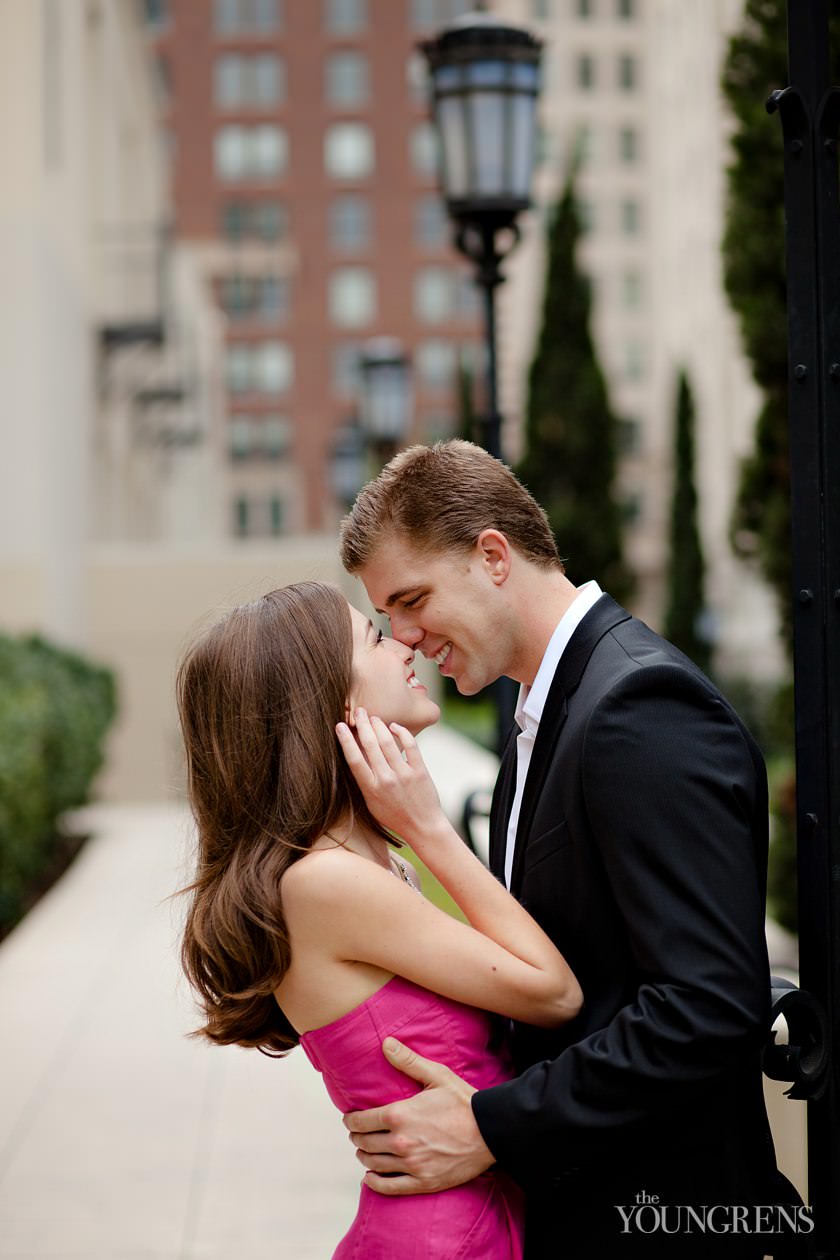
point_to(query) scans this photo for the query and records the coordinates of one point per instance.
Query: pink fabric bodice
(482, 1218)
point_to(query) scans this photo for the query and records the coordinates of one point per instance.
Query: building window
(276, 436)
(431, 223)
(427, 15)
(584, 8)
(243, 153)
(156, 13)
(276, 515)
(541, 10)
(585, 143)
(467, 298)
(423, 150)
(352, 297)
(633, 361)
(254, 220)
(545, 145)
(434, 295)
(630, 217)
(631, 290)
(258, 436)
(263, 298)
(260, 367)
(350, 224)
(346, 373)
(631, 508)
(247, 17)
(628, 144)
(625, 8)
(241, 516)
(249, 82)
(346, 80)
(417, 78)
(349, 151)
(586, 214)
(627, 72)
(240, 437)
(345, 17)
(435, 364)
(585, 72)
(628, 437)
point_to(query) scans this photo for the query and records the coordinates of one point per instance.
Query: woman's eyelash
(379, 636)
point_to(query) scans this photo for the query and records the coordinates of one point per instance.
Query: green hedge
(55, 708)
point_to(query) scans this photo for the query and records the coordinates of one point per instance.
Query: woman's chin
(429, 719)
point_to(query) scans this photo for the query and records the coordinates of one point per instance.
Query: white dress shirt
(532, 700)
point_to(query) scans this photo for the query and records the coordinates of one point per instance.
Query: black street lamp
(810, 114)
(485, 83)
(385, 399)
(348, 463)
(365, 442)
(485, 79)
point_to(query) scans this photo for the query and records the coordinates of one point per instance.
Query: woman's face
(383, 679)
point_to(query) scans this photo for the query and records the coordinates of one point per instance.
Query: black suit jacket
(641, 850)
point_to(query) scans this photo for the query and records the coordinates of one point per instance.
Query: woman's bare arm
(501, 960)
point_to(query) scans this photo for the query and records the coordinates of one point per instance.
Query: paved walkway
(119, 1138)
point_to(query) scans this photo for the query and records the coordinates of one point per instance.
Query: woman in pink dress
(305, 927)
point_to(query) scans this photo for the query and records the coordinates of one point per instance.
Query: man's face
(446, 605)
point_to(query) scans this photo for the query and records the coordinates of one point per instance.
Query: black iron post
(809, 110)
(485, 82)
(480, 243)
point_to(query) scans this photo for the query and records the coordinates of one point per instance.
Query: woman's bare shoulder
(324, 876)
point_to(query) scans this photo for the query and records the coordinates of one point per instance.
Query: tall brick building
(303, 177)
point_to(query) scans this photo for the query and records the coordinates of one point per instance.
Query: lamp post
(385, 397)
(364, 443)
(484, 88)
(810, 114)
(485, 83)
(348, 463)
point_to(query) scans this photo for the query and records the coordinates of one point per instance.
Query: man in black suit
(630, 819)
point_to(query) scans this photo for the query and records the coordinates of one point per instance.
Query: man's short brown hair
(440, 498)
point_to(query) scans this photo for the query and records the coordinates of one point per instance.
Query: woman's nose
(406, 652)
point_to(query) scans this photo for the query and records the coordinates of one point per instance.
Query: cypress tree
(570, 430)
(754, 273)
(753, 255)
(686, 566)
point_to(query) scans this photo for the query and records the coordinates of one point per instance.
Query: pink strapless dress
(482, 1220)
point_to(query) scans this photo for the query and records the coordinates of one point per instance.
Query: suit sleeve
(672, 794)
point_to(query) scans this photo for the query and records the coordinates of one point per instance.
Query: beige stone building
(110, 516)
(635, 83)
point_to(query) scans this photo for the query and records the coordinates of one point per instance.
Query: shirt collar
(532, 699)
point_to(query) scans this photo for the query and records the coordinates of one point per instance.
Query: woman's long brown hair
(259, 696)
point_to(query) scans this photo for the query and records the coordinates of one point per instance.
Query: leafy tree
(686, 568)
(570, 429)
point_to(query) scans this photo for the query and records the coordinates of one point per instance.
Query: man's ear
(495, 552)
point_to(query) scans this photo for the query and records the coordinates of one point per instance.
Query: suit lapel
(600, 619)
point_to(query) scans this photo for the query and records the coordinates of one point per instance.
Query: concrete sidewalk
(119, 1138)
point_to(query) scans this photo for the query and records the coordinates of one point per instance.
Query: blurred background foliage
(55, 710)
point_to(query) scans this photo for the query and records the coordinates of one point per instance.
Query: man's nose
(402, 628)
(403, 650)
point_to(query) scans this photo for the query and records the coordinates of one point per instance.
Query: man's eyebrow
(400, 594)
